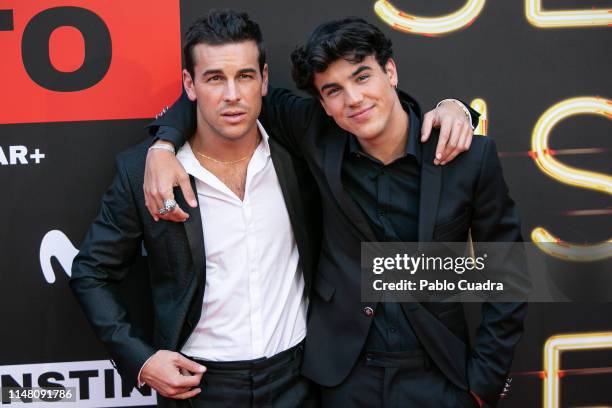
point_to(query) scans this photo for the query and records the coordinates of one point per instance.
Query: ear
(189, 85)
(391, 71)
(264, 82)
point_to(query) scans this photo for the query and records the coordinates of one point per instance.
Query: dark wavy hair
(351, 38)
(220, 27)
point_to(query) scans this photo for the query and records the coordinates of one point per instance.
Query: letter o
(35, 49)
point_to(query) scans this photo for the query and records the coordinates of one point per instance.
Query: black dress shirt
(388, 195)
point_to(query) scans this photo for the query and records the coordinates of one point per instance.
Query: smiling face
(361, 96)
(227, 86)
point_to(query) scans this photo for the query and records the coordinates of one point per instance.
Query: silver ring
(169, 206)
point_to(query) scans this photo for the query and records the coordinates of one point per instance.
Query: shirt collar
(191, 164)
(264, 139)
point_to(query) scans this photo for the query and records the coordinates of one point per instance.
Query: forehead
(341, 70)
(226, 56)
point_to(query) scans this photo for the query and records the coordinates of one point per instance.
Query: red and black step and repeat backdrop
(80, 79)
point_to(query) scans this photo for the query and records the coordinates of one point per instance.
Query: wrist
(461, 106)
(139, 380)
(163, 145)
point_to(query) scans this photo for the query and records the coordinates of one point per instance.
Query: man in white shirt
(242, 318)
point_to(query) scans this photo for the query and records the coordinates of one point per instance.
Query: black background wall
(519, 70)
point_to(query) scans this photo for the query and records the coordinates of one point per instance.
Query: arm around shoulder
(288, 116)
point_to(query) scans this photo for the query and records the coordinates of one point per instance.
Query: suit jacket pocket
(452, 227)
(324, 289)
(453, 319)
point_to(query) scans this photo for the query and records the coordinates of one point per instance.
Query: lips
(233, 116)
(362, 115)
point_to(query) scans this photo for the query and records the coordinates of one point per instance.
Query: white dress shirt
(254, 304)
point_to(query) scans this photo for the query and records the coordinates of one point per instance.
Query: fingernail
(201, 369)
(193, 203)
(438, 156)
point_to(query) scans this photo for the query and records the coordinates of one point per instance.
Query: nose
(232, 93)
(352, 96)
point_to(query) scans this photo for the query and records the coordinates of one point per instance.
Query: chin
(367, 132)
(235, 132)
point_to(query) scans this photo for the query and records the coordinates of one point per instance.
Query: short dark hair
(220, 27)
(351, 38)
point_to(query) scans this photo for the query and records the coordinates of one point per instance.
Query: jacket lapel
(334, 154)
(431, 183)
(445, 348)
(195, 237)
(289, 183)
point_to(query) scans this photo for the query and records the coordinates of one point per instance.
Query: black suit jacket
(467, 194)
(176, 258)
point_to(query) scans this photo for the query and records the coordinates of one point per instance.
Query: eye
(246, 76)
(333, 91)
(362, 78)
(214, 78)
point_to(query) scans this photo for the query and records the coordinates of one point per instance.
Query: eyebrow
(220, 72)
(353, 75)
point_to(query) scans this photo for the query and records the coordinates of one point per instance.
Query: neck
(391, 143)
(211, 143)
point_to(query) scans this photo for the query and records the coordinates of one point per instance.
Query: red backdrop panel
(143, 76)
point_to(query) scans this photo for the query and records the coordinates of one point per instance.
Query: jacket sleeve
(106, 255)
(495, 219)
(177, 124)
(288, 116)
(473, 113)
(284, 115)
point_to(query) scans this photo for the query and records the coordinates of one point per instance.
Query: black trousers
(396, 379)
(265, 382)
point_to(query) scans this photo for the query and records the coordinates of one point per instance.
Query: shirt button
(368, 311)
(392, 329)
